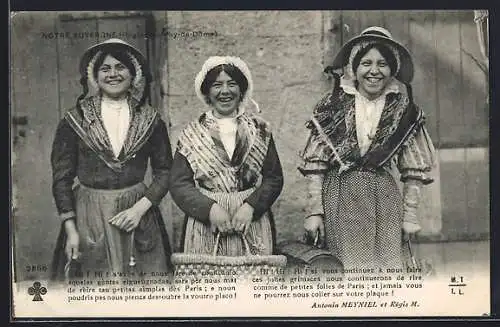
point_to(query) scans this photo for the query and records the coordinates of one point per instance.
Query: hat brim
(406, 70)
(91, 52)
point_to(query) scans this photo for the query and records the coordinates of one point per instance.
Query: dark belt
(235, 190)
(367, 169)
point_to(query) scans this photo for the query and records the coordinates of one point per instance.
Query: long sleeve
(415, 162)
(417, 158)
(314, 204)
(411, 200)
(316, 154)
(315, 162)
(184, 192)
(161, 163)
(272, 183)
(64, 161)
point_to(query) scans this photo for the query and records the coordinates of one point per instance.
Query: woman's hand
(220, 219)
(129, 219)
(410, 228)
(313, 224)
(72, 240)
(243, 217)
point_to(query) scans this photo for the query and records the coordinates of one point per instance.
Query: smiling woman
(110, 220)
(224, 88)
(114, 76)
(226, 172)
(359, 132)
(374, 66)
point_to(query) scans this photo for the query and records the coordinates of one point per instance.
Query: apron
(200, 239)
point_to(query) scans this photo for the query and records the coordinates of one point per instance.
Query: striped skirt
(363, 219)
(200, 239)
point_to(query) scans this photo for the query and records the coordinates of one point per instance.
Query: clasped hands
(221, 221)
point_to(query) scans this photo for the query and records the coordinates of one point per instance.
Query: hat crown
(91, 51)
(377, 31)
(115, 40)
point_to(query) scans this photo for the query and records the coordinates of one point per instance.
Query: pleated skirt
(199, 238)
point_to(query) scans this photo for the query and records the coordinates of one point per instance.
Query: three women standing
(110, 219)
(226, 172)
(358, 132)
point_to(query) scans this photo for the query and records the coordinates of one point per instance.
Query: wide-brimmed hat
(139, 61)
(376, 33)
(215, 61)
(90, 53)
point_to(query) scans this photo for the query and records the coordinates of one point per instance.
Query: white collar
(222, 119)
(114, 104)
(241, 111)
(394, 86)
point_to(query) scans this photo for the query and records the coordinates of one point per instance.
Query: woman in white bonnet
(226, 172)
(357, 133)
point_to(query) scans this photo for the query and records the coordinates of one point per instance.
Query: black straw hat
(376, 33)
(113, 43)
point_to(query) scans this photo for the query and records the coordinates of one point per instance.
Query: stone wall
(284, 51)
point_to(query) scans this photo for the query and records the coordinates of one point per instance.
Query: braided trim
(139, 82)
(90, 73)
(138, 70)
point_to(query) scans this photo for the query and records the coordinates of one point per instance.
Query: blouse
(227, 130)
(116, 119)
(368, 112)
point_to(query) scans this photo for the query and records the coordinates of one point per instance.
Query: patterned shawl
(88, 125)
(201, 145)
(334, 120)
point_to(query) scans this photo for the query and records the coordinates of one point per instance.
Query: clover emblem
(37, 290)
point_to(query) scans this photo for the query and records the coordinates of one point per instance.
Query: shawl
(201, 145)
(333, 120)
(87, 123)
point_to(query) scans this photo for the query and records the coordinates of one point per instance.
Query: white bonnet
(215, 61)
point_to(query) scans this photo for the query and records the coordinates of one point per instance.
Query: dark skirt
(107, 249)
(363, 218)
